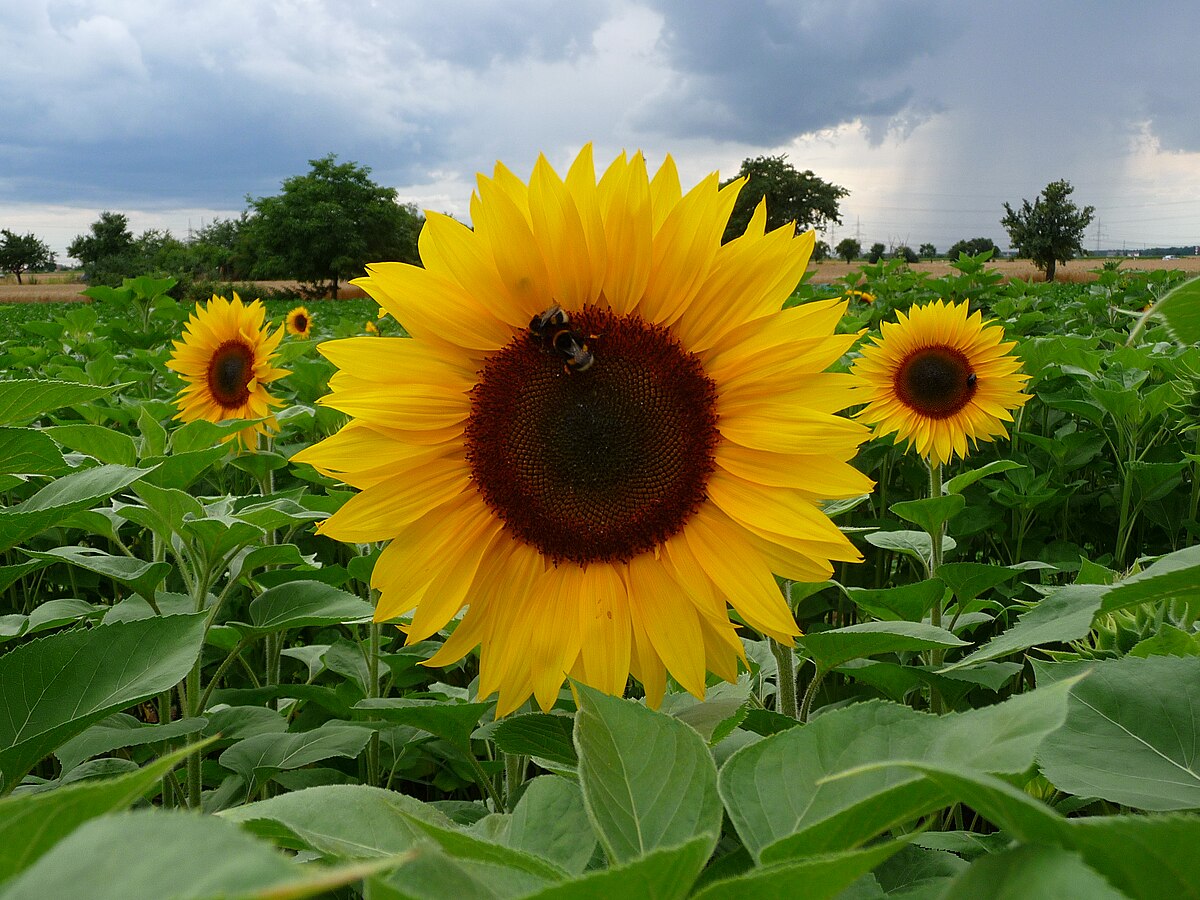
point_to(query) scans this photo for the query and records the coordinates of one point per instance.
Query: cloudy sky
(932, 113)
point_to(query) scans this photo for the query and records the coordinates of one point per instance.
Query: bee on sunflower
(603, 432)
(226, 360)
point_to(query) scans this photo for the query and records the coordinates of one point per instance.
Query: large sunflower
(602, 430)
(939, 376)
(299, 322)
(226, 360)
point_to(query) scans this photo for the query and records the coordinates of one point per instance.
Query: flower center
(597, 465)
(229, 373)
(300, 323)
(935, 381)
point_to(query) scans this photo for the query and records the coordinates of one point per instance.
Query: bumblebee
(553, 330)
(971, 379)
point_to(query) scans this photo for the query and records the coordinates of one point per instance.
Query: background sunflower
(225, 359)
(594, 519)
(939, 376)
(299, 322)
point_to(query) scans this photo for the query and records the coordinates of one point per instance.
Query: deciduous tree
(1050, 229)
(23, 253)
(329, 223)
(848, 249)
(792, 196)
(973, 247)
(107, 252)
(927, 251)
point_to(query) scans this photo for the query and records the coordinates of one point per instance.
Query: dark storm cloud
(768, 70)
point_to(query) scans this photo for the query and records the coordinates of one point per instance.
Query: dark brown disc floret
(935, 382)
(597, 465)
(229, 373)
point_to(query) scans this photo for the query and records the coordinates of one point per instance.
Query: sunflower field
(597, 558)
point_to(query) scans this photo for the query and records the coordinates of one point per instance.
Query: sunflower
(861, 295)
(602, 430)
(370, 327)
(225, 361)
(939, 376)
(299, 322)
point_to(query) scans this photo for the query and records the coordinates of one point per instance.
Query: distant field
(58, 288)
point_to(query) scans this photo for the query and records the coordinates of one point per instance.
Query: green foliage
(1049, 230)
(23, 253)
(792, 196)
(328, 224)
(973, 247)
(195, 699)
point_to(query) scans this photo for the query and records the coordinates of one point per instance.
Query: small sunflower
(226, 360)
(370, 327)
(299, 322)
(939, 376)
(864, 296)
(603, 429)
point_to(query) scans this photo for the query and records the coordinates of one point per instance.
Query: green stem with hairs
(937, 656)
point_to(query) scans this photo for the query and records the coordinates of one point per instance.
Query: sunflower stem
(514, 776)
(785, 679)
(373, 636)
(810, 694)
(937, 656)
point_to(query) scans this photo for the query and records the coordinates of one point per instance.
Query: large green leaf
(648, 779)
(1147, 857)
(343, 821)
(829, 649)
(27, 451)
(550, 821)
(1032, 871)
(53, 688)
(30, 824)
(664, 874)
(1180, 311)
(60, 498)
(455, 722)
(119, 731)
(1065, 615)
(543, 735)
(822, 876)
(259, 758)
(1174, 576)
(105, 444)
(1131, 735)
(297, 604)
(151, 854)
(780, 800)
(144, 577)
(23, 400)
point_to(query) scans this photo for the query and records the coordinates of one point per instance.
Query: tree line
(327, 224)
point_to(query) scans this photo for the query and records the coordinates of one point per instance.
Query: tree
(928, 251)
(905, 253)
(1049, 230)
(791, 196)
(972, 247)
(107, 253)
(329, 223)
(876, 252)
(23, 253)
(848, 249)
(820, 251)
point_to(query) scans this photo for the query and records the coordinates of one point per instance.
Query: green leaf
(1169, 641)
(663, 874)
(143, 577)
(1032, 871)
(46, 508)
(455, 722)
(960, 482)
(150, 854)
(258, 759)
(931, 513)
(26, 451)
(154, 436)
(823, 876)
(103, 443)
(53, 688)
(777, 794)
(1180, 311)
(908, 602)
(116, 732)
(1147, 857)
(648, 780)
(1131, 734)
(830, 649)
(23, 400)
(297, 604)
(1065, 615)
(178, 470)
(30, 824)
(1174, 576)
(543, 735)
(343, 821)
(967, 580)
(916, 544)
(550, 821)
